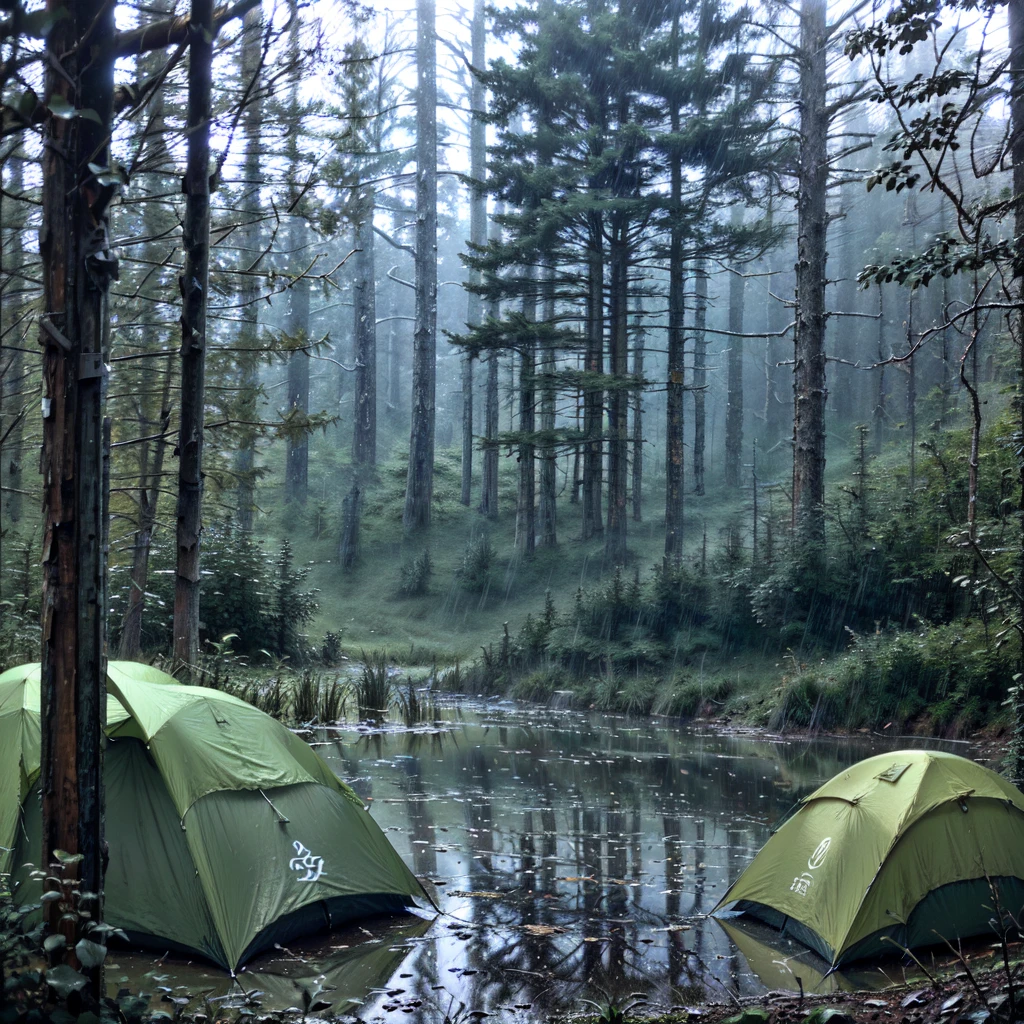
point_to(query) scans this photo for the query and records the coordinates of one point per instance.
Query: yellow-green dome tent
(227, 833)
(900, 848)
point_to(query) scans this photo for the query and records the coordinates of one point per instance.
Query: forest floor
(985, 990)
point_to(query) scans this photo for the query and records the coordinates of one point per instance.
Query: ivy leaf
(61, 107)
(89, 953)
(64, 980)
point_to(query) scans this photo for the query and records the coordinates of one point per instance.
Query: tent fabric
(883, 851)
(226, 831)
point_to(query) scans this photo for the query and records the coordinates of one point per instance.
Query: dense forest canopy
(592, 345)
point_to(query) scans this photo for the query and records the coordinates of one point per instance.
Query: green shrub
(687, 697)
(414, 576)
(245, 592)
(474, 574)
(330, 649)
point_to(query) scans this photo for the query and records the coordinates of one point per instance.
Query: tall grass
(373, 688)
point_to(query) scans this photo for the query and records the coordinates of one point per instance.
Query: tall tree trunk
(842, 330)
(676, 341)
(734, 409)
(12, 359)
(477, 233)
(296, 487)
(778, 380)
(618, 401)
(1015, 17)
(638, 421)
(248, 290)
(419, 488)
(548, 475)
(152, 419)
(194, 284)
(912, 218)
(150, 478)
(77, 267)
(880, 412)
(364, 437)
(809, 363)
(526, 516)
(296, 477)
(492, 407)
(593, 395)
(700, 371)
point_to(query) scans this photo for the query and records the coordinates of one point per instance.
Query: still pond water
(574, 855)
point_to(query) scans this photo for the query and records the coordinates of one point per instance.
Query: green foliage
(315, 699)
(256, 599)
(474, 575)
(330, 649)
(19, 634)
(689, 697)
(57, 994)
(415, 576)
(292, 607)
(374, 688)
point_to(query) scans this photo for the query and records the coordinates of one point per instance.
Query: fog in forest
(635, 358)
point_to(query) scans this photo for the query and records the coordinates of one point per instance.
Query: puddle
(574, 855)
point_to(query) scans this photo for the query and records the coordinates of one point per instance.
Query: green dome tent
(904, 847)
(227, 833)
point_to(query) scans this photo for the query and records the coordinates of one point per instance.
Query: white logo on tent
(818, 857)
(305, 861)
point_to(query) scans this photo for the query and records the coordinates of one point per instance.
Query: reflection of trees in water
(479, 807)
(421, 820)
(549, 796)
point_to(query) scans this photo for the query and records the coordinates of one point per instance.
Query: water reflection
(575, 854)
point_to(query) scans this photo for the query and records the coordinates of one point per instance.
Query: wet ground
(573, 855)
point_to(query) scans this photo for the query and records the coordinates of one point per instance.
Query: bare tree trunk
(880, 412)
(77, 267)
(734, 409)
(526, 515)
(296, 477)
(809, 364)
(638, 422)
(700, 371)
(912, 218)
(12, 360)
(477, 233)
(150, 477)
(194, 284)
(248, 291)
(348, 547)
(548, 475)
(676, 340)
(618, 404)
(1015, 17)
(152, 419)
(419, 487)
(778, 381)
(842, 331)
(492, 409)
(364, 437)
(296, 483)
(593, 396)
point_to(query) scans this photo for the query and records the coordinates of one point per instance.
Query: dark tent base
(316, 918)
(960, 910)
